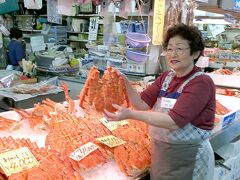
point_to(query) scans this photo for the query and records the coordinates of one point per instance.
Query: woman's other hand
(121, 114)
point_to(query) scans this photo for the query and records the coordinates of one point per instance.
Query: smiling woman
(182, 103)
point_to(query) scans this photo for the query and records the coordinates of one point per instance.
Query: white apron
(182, 154)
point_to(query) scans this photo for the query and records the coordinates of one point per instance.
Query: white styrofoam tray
(225, 80)
(233, 104)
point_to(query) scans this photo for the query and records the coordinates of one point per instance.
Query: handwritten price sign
(83, 151)
(113, 124)
(111, 141)
(17, 160)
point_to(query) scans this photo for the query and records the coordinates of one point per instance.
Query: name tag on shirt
(167, 102)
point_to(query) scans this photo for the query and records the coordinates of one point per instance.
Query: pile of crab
(67, 130)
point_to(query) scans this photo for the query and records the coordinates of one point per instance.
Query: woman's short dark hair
(189, 33)
(15, 33)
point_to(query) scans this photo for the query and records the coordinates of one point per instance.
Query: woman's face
(178, 56)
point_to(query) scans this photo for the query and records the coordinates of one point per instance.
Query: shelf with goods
(223, 58)
(115, 55)
(78, 29)
(30, 23)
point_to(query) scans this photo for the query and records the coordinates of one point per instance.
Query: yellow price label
(83, 151)
(112, 125)
(111, 141)
(158, 22)
(121, 123)
(17, 160)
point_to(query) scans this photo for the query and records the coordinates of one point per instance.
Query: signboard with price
(17, 160)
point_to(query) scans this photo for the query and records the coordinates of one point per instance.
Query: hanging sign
(111, 141)
(112, 125)
(93, 28)
(17, 160)
(52, 12)
(236, 4)
(83, 151)
(158, 22)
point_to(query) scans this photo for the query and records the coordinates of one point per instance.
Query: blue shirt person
(16, 50)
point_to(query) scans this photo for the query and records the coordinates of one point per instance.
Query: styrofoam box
(235, 56)
(140, 68)
(229, 150)
(225, 80)
(236, 172)
(224, 54)
(231, 103)
(220, 173)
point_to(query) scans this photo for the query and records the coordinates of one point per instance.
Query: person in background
(182, 104)
(16, 50)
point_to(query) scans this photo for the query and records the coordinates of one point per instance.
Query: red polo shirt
(196, 104)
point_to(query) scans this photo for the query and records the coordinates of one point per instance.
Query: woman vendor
(182, 104)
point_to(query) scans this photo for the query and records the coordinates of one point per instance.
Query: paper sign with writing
(93, 28)
(121, 123)
(17, 160)
(111, 141)
(83, 151)
(158, 22)
(113, 124)
(108, 124)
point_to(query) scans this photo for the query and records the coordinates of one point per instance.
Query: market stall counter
(13, 100)
(108, 170)
(16, 94)
(40, 140)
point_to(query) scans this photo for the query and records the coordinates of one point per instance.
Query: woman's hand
(126, 80)
(121, 114)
